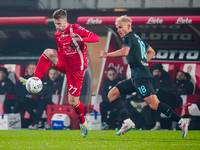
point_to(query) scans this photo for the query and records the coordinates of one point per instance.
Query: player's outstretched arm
(91, 38)
(82, 35)
(119, 53)
(103, 54)
(150, 53)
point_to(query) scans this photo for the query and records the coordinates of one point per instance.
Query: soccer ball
(34, 85)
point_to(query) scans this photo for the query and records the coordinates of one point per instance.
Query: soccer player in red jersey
(70, 59)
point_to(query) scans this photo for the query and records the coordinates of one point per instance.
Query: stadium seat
(15, 71)
(189, 103)
(197, 90)
(2, 98)
(194, 70)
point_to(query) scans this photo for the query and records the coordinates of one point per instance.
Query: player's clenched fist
(76, 37)
(103, 54)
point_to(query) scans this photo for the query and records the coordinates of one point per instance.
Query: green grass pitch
(104, 140)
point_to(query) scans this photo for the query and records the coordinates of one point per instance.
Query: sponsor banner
(24, 20)
(172, 42)
(169, 33)
(91, 20)
(177, 54)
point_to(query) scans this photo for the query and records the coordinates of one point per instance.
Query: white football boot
(183, 124)
(126, 126)
(84, 129)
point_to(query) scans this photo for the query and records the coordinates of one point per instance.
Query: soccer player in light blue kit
(138, 53)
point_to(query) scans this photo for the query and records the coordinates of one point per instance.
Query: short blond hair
(123, 18)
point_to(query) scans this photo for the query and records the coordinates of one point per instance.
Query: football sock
(42, 66)
(119, 105)
(79, 109)
(167, 111)
(157, 115)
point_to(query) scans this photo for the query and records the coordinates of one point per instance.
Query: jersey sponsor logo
(66, 43)
(81, 28)
(181, 20)
(153, 20)
(64, 35)
(94, 21)
(70, 52)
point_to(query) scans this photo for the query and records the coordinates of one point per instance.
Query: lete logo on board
(153, 20)
(94, 21)
(181, 20)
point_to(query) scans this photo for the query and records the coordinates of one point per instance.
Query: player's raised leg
(49, 56)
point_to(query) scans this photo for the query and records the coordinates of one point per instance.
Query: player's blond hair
(60, 13)
(123, 18)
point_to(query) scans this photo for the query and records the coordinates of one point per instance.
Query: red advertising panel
(24, 20)
(141, 19)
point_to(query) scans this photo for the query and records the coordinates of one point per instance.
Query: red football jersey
(74, 51)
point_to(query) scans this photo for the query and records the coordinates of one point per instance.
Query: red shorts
(74, 77)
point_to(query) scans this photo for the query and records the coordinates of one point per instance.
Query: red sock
(79, 109)
(42, 66)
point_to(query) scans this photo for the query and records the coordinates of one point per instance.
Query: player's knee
(49, 52)
(152, 101)
(112, 95)
(71, 104)
(154, 104)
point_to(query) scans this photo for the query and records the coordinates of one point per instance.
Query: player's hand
(76, 37)
(103, 54)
